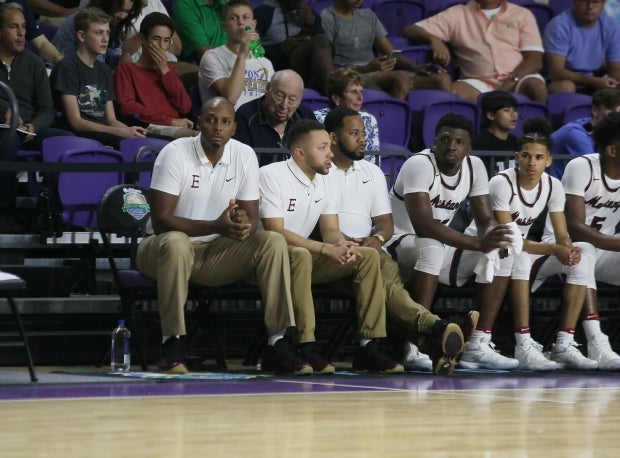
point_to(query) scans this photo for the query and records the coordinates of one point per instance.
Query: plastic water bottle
(120, 355)
(256, 48)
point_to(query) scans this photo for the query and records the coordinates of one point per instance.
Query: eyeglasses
(280, 97)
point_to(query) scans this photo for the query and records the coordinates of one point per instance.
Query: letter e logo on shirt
(291, 205)
(195, 181)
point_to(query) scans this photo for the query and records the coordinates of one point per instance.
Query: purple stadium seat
(567, 106)
(428, 106)
(393, 116)
(129, 146)
(419, 55)
(395, 15)
(543, 13)
(80, 192)
(528, 108)
(314, 99)
(560, 5)
(54, 147)
(146, 153)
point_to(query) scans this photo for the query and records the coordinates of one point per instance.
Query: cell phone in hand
(395, 53)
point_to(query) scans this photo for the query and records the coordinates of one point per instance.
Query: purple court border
(309, 385)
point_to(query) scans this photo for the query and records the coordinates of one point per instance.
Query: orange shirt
(486, 50)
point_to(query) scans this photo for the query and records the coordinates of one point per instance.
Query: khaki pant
(413, 318)
(174, 260)
(309, 269)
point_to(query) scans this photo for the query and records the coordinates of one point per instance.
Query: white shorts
(483, 86)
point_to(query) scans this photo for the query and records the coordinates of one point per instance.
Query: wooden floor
(405, 416)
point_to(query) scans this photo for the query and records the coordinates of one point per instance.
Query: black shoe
(370, 358)
(281, 358)
(445, 346)
(467, 323)
(319, 364)
(172, 357)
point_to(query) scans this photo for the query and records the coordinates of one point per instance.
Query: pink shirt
(486, 50)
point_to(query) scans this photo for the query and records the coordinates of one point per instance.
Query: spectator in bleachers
(230, 70)
(199, 23)
(575, 138)
(83, 88)
(187, 71)
(365, 216)
(518, 196)
(582, 49)
(428, 191)
(357, 33)
(293, 37)
(345, 88)
(500, 111)
(203, 228)
(264, 122)
(497, 46)
(25, 74)
(592, 186)
(35, 36)
(150, 89)
(122, 13)
(295, 196)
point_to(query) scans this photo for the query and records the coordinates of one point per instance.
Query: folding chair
(10, 283)
(124, 211)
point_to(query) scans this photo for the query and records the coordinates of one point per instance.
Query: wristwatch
(514, 77)
(379, 237)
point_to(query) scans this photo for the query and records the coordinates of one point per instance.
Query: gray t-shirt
(353, 39)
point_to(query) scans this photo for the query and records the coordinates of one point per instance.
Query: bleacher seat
(393, 117)
(314, 99)
(435, 6)
(395, 15)
(428, 106)
(543, 13)
(557, 6)
(568, 106)
(528, 108)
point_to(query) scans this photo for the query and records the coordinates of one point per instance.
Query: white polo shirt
(182, 169)
(419, 173)
(286, 192)
(363, 196)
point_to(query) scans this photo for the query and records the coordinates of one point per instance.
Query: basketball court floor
(247, 414)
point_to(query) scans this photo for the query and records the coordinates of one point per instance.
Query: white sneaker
(480, 353)
(530, 357)
(599, 350)
(415, 360)
(569, 357)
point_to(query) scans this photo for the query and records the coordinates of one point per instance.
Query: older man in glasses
(581, 48)
(264, 122)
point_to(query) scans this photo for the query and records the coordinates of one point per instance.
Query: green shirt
(198, 25)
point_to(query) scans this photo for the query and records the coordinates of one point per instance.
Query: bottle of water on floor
(120, 354)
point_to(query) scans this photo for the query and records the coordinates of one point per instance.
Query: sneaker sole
(177, 369)
(306, 370)
(452, 345)
(327, 370)
(473, 316)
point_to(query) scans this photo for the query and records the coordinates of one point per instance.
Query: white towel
(489, 262)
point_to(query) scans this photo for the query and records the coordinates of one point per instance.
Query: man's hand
(158, 54)
(380, 64)
(234, 222)
(498, 237)
(343, 252)
(441, 53)
(372, 242)
(132, 131)
(567, 255)
(604, 81)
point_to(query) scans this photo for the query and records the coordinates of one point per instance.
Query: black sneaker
(319, 364)
(370, 358)
(467, 323)
(172, 357)
(282, 359)
(445, 346)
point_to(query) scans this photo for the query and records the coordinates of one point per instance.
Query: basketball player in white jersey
(592, 186)
(520, 195)
(428, 190)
